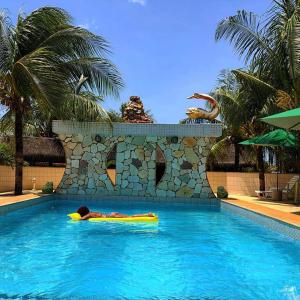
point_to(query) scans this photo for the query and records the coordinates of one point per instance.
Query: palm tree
(39, 123)
(227, 93)
(240, 109)
(271, 47)
(42, 59)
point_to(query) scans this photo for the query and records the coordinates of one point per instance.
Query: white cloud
(140, 2)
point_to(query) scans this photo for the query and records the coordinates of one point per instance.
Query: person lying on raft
(85, 214)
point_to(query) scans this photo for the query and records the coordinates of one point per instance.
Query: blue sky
(164, 49)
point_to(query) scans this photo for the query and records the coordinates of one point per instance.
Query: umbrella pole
(261, 167)
(296, 200)
(298, 154)
(277, 166)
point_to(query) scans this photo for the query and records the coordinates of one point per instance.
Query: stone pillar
(136, 166)
(86, 165)
(185, 174)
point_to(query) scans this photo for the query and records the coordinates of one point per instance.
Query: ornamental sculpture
(195, 113)
(134, 111)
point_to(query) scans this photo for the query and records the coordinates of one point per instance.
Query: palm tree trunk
(19, 150)
(261, 167)
(298, 153)
(236, 157)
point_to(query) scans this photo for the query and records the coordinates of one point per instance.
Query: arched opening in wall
(111, 164)
(160, 164)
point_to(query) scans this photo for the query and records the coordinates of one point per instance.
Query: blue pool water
(193, 253)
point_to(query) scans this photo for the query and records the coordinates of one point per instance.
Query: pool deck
(9, 197)
(285, 212)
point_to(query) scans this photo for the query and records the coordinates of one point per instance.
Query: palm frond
(294, 48)
(5, 42)
(33, 29)
(244, 32)
(225, 95)
(73, 42)
(231, 108)
(115, 116)
(220, 149)
(7, 123)
(40, 76)
(83, 107)
(102, 75)
(256, 85)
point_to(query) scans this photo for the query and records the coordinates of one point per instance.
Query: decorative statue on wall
(195, 113)
(134, 111)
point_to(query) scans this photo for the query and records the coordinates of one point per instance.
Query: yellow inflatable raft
(76, 217)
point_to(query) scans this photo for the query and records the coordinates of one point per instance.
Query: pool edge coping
(271, 213)
(284, 217)
(32, 199)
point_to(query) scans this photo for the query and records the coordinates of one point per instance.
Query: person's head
(83, 210)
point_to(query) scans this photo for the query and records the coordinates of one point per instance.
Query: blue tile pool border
(210, 202)
(276, 225)
(124, 199)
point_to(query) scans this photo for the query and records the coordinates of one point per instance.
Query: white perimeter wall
(42, 175)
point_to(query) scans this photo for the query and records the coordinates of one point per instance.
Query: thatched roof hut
(41, 150)
(226, 161)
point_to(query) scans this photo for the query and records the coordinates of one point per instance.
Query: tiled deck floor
(10, 198)
(285, 212)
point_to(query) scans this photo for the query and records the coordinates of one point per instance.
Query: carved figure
(134, 111)
(198, 113)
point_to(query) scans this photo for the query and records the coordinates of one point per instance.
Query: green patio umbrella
(289, 119)
(278, 137)
(275, 138)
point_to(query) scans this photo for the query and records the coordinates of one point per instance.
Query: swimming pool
(195, 252)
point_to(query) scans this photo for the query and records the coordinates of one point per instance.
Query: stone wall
(184, 147)
(185, 174)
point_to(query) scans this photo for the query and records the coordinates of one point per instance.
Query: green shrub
(48, 188)
(221, 192)
(6, 155)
